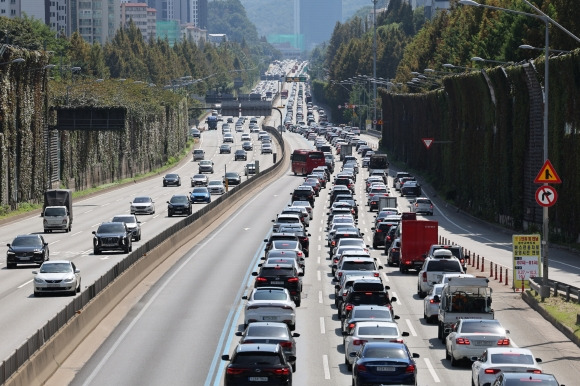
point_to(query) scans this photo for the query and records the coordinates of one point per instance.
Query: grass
(25, 207)
(563, 311)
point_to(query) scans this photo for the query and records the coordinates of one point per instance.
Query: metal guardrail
(11, 364)
(556, 288)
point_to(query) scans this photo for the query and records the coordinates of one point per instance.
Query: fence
(557, 288)
(10, 365)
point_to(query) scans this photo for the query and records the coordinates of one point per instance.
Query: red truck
(417, 236)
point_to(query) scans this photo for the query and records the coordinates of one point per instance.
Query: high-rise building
(318, 19)
(143, 17)
(184, 11)
(53, 13)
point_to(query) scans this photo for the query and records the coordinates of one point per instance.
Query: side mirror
(308, 234)
(245, 297)
(436, 298)
(35, 272)
(225, 357)
(93, 232)
(337, 287)
(295, 335)
(396, 317)
(300, 273)
(387, 287)
(473, 359)
(352, 354)
(404, 333)
(415, 355)
(393, 299)
(345, 333)
(291, 358)
(238, 333)
(254, 273)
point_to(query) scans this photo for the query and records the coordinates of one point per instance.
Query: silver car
(422, 205)
(216, 187)
(132, 224)
(270, 304)
(431, 303)
(57, 276)
(199, 180)
(143, 204)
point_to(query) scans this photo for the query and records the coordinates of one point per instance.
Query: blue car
(200, 194)
(384, 363)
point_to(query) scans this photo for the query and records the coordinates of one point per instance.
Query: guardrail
(556, 288)
(35, 342)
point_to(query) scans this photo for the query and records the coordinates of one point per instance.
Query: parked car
(143, 204)
(57, 276)
(171, 179)
(179, 204)
(132, 224)
(200, 194)
(27, 249)
(112, 236)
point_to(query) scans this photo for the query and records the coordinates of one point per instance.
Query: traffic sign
(547, 175)
(427, 142)
(546, 196)
(375, 122)
(380, 122)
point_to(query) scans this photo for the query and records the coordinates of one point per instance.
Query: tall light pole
(375, 63)
(545, 290)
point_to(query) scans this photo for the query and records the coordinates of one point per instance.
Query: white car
(246, 137)
(57, 276)
(270, 304)
(350, 265)
(143, 204)
(305, 204)
(431, 303)
(365, 332)
(470, 337)
(216, 187)
(487, 367)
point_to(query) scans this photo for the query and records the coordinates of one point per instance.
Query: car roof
(57, 262)
(258, 347)
(516, 350)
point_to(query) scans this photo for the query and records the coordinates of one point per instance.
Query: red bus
(305, 160)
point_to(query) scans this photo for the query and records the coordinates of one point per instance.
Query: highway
(177, 332)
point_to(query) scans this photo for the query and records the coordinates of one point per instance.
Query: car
(194, 132)
(411, 188)
(485, 368)
(216, 187)
(172, 179)
(250, 169)
(366, 332)
(266, 148)
(379, 234)
(301, 211)
(205, 166)
(286, 245)
(132, 224)
(258, 363)
(398, 177)
(143, 204)
(271, 332)
(355, 298)
(299, 231)
(431, 303)
(434, 267)
(384, 363)
(270, 304)
(305, 204)
(366, 313)
(247, 145)
(394, 252)
(246, 137)
(519, 379)
(199, 180)
(200, 194)
(240, 155)
(422, 205)
(228, 138)
(27, 249)
(112, 236)
(198, 154)
(456, 250)
(179, 204)
(56, 276)
(281, 275)
(303, 193)
(357, 264)
(232, 178)
(470, 337)
(282, 219)
(225, 149)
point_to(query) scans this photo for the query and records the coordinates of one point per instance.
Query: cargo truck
(345, 150)
(463, 298)
(417, 236)
(57, 210)
(379, 161)
(212, 122)
(387, 202)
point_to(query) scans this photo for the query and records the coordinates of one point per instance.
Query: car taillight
(362, 368)
(432, 301)
(397, 341)
(332, 243)
(462, 341)
(410, 369)
(261, 279)
(416, 205)
(235, 371)
(376, 274)
(388, 238)
(339, 274)
(424, 277)
(492, 371)
(286, 344)
(503, 342)
(283, 371)
(379, 231)
(358, 342)
(293, 280)
(431, 206)
(395, 249)
(348, 307)
(335, 261)
(299, 253)
(344, 293)
(351, 325)
(286, 308)
(535, 371)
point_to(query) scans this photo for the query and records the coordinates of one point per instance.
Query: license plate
(270, 318)
(277, 282)
(258, 379)
(385, 368)
(53, 285)
(24, 258)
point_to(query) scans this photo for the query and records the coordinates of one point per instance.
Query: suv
(179, 204)
(398, 176)
(303, 193)
(205, 166)
(356, 298)
(198, 154)
(456, 250)
(112, 236)
(281, 275)
(258, 362)
(380, 234)
(435, 266)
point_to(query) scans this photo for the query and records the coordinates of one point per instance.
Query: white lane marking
(88, 211)
(386, 277)
(320, 297)
(22, 285)
(318, 259)
(432, 370)
(78, 233)
(318, 276)
(322, 329)
(55, 241)
(411, 329)
(108, 203)
(325, 367)
(319, 238)
(319, 247)
(395, 295)
(97, 224)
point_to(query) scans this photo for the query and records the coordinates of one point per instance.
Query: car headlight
(69, 279)
(10, 253)
(38, 280)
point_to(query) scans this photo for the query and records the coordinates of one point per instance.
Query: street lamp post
(545, 289)
(375, 63)
(482, 60)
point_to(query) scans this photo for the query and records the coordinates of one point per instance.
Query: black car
(171, 179)
(240, 155)
(259, 363)
(179, 204)
(225, 148)
(112, 236)
(281, 275)
(232, 178)
(339, 190)
(27, 249)
(304, 193)
(247, 146)
(379, 234)
(411, 188)
(356, 298)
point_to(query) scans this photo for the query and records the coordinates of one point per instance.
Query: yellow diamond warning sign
(547, 175)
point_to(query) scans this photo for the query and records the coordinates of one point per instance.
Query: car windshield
(171, 176)
(378, 330)
(270, 295)
(55, 212)
(199, 190)
(281, 260)
(358, 265)
(284, 244)
(371, 314)
(252, 359)
(125, 219)
(115, 227)
(232, 175)
(206, 163)
(142, 200)
(216, 183)
(512, 358)
(179, 200)
(277, 271)
(383, 352)
(269, 331)
(482, 327)
(27, 242)
(55, 268)
(200, 176)
(444, 266)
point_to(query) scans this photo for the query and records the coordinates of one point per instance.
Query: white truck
(463, 298)
(57, 210)
(387, 202)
